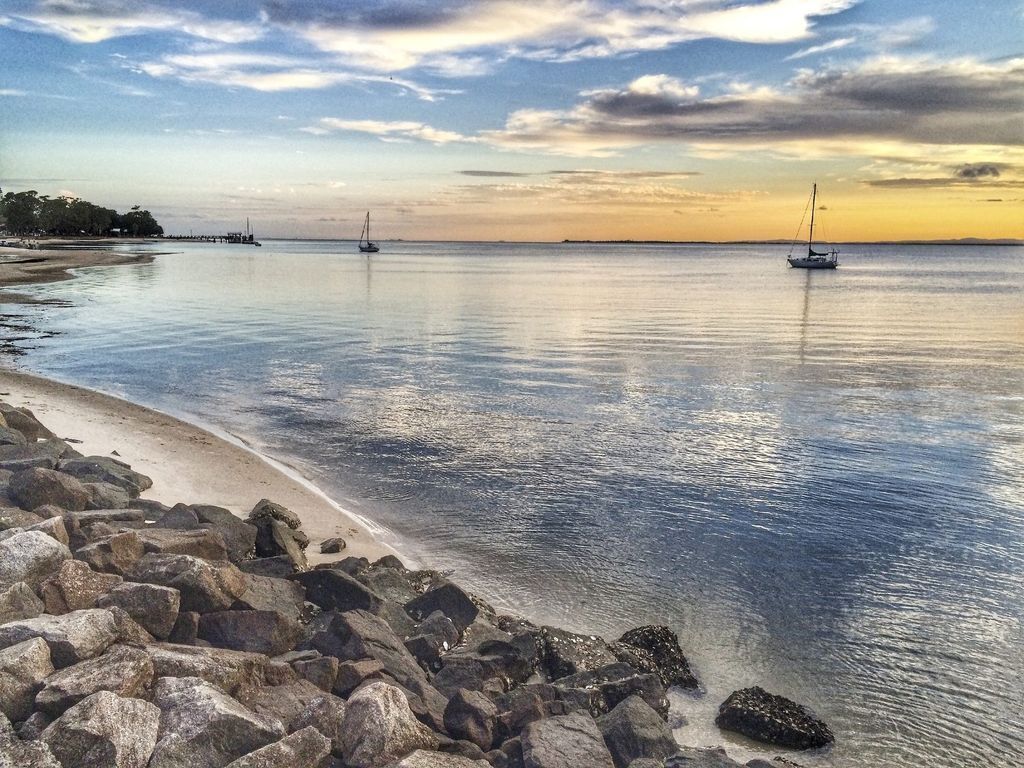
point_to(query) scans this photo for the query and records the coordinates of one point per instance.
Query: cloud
(396, 130)
(494, 174)
(12, 92)
(919, 183)
(832, 45)
(977, 171)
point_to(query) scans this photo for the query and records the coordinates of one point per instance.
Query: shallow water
(816, 479)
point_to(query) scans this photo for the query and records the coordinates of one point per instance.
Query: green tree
(21, 209)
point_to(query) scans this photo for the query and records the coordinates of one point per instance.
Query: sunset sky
(539, 120)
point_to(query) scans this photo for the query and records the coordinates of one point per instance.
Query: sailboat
(365, 244)
(814, 259)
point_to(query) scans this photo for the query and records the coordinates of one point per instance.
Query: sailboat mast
(810, 234)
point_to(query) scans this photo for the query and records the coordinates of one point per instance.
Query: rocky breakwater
(135, 634)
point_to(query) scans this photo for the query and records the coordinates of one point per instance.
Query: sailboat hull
(369, 248)
(812, 263)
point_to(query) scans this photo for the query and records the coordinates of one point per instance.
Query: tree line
(29, 213)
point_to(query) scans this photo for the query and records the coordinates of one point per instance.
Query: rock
(566, 653)
(186, 628)
(450, 600)
(34, 726)
(565, 741)
(230, 671)
(18, 602)
(239, 536)
(633, 730)
(321, 672)
(41, 455)
(265, 593)
(471, 716)
(422, 758)
(497, 658)
(692, 757)
(75, 586)
(360, 635)
(269, 510)
(72, 638)
(279, 567)
(282, 702)
(601, 690)
(23, 667)
(388, 583)
(105, 469)
(25, 422)
(522, 706)
(655, 649)
(26, 754)
(180, 516)
(154, 607)
(104, 731)
(274, 538)
(30, 556)
(52, 527)
(122, 669)
(35, 487)
(203, 727)
(203, 543)
(106, 496)
(129, 631)
(772, 719)
(332, 546)
(116, 553)
(10, 436)
(379, 727)
(12, 517)
(151, 509)
(266, 632)
(326, 714)
(307, 748)
(336, 591)
(394, 614)
(205, 587)
(352, 674)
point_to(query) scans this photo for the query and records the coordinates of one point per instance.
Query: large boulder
(204, 586)
(265, 593)
(18, 602)
(41, 455)
(106, 469)
(379, 727)
(772, 719)
(72, 638)
(25, 422)
(154, 607)
(13, 517)
(566, 653)
(326, 714)
(104, 731)
(26, 754)
(116, 553)
(266, 509)
(423, 758)
(122, 669)
(239, 536)
(523, 705)
(307, 748)
(266, 632)
(565, 741)
(35, 487)
(23, 667)
(471, 715)
(284, 702)
(336, 591)
(10, 436)
(30, 556)
(655, 648)
(449, 599)
(106, 496)
(633, 730)
(228, 670)
(358, 635)
(75, 586)
(203, 727)
(600, 690)
(203, 543)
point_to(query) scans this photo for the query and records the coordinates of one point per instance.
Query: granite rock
(204, 586)
(30, 556)
(23, 667)
(379, 728)
(772, 719)
(123, 670)
(565, 741)
(154, 607)
(72, 637)
(307, 748)
(633, 730)
(74, 586)
(104, 731)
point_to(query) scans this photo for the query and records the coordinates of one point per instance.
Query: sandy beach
(186, 463)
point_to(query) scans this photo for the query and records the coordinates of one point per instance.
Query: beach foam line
(191, 463)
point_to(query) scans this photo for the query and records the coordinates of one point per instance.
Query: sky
(516, 120)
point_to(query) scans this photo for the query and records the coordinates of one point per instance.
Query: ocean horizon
(814, 478)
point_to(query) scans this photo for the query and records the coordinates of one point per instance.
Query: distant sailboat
(365, 244)
(814, 259)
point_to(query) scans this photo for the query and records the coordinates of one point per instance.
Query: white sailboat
(814, 259)
(365, 244)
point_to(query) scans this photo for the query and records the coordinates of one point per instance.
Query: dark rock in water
(307, 748)
(204, 543)
(336, 591)
(772, 719)
(266, 509)
(279, 567)
(202, 726)
(35, 487)
(18, 601)
(104, 730)
(601, 690)
(655, 649)
(566, 653)
(239, 536)
(450, 600)
(104, 469)
(106, 496)
(265, 593)
(266, 632)
(23, 668)
(471, 716)
(379, 727)
(74, 586)
(123, 670)
(154, 607)
(72, 638)
(205, 586)
(566, 741)
(30, 556)
(332, 546)
(633, 730)
(691, 757)
(25, 422)
(116, 553)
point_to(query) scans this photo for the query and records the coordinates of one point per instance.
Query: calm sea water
(816, 479)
